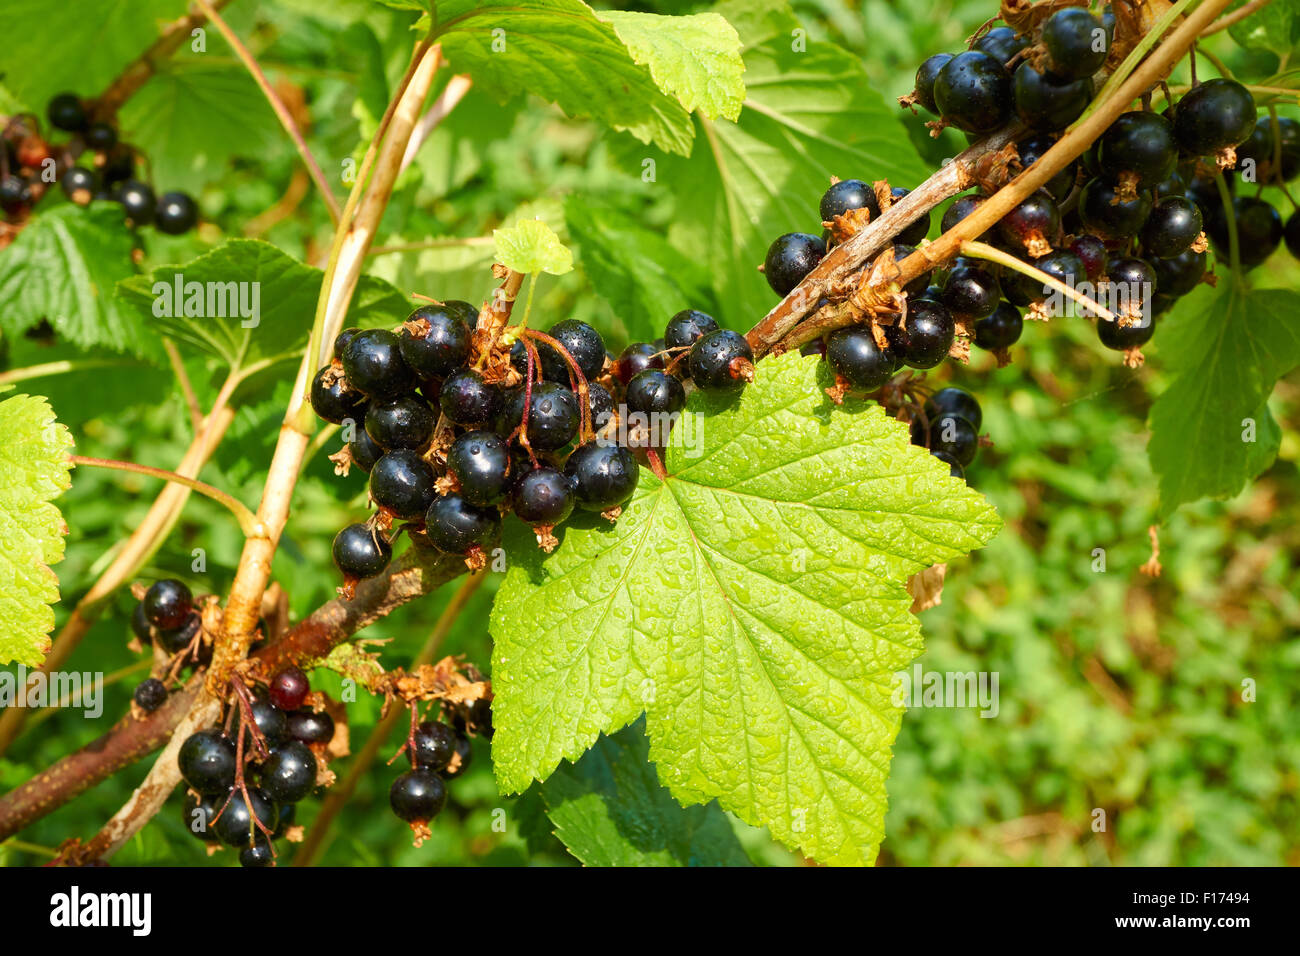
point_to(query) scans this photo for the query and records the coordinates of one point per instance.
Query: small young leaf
(34, 470)
(753, 605)
(531, 247)
(610, 809)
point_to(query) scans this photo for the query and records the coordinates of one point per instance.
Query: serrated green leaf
(63, 267)
(247, 301)
(1211, 430)
(34, 470)
(559, 50)
(1269, 27)
(753, 605)
(695, 58)
(530, 247)
(610, 809)
(809, 114)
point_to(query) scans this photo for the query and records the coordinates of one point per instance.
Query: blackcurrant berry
(686, 327)
(138, 202)
(1001, 43)
(961, 207)
(1172, 227)
(1001, 329)
(973, 92)
(465, 753)
(1292, 234)
(207, 761)
(373, 364)
(1122, 338)
(1215, 115)
(954, 401)
(583, 344)
(435, 744)
(417, 796)
(604, 476)
(636, 358)
(954, 435)
(167, 603)
(1259, 231)
(480, 460)
(1092, 253)
(270, 720)
(441, 340)
(1141, 143)
(1180, 274)
(333, 399)
(364, 451)
(925, 335)
(721, 361)
(554, 415)
(287, 814)
(544, 496)
(403, 422)
(1288, 132)
(258, 854)
(1060, 185)
(954, 466)
(1171, 185)
(342, 341)
(654, 391)
(1047, 102)
(1036, 220)
(79, 184)
(843, 196)
(402, 483)
(601, 404)
(289, 688)
(66, 113)
(1105, 216)
(791, 257)
(467, 399)
(199, 812)
(311, 726)
(926, 74)
(455, 526)
(972, 290)
(361, 552)
(235, 826)
(289, 773)
(1061, 264)
(176, 639)
(150, 694)
(1076, 43)
(176, 213)
(913, 234)
(140, 625)
(101, 136)
(1255, 154)
(854, 355)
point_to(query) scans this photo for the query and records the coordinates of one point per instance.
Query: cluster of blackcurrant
(167, 618)
(456, 427)
(438, 751)
(949, 426)
(28, 162)
(243, 789)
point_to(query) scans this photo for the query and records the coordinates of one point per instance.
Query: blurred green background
(1119, 692)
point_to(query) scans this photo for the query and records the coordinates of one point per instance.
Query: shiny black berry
(440, 343)
(583, 344)
(1105, 217)
(167, 603)
(954, 401)
(601, 404)
(403, 422)
(343, 340)
(1259, 230)
(138, 201)
(176, 213)
(654, 391)
(417, 796)
(259, 854)
(843, 196)
(854, 355)
(140, 625)
(199, 812)
(361, 552)
(1076, 42)
(435, 744)
(455, 526)
(961, 207)
(65, 112)
(1047, 102)
(480, 460)
(79, 184)
(604, 476)
(464, 754)
(972, 290)
(207, 761)
(635, 358)
(1212, 116)
(364, 451)
(790, 258)
(721, 361)
(954, 435)
(1180, 274)
(973, 92)
(235, 826)
(554, 415)
(1037, 219)
(1122, 338)
(544, 496)
(402, 483)
(289, 773)
(1001, 43)
(686, 327)
(150, 694)
(1001, 329)
(311, 726)
(954, 466)
(333, 398)
(926, 74)
(1174, 224)
(101, 136)
(175, 639)
(1141, 143)
(1291, 232)
(1091, 252)
(925, 335)
(270, 720)
(373, 364)
(289, 688)
(468, 400)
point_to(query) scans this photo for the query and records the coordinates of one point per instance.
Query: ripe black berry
(1217, 114)
(926, 74)
(435, 743)
(953, 435)
(467, 399)
(1259, 230)
(1001, 43)
(954, 466)
(1122, 338)
(311, 726)
(554, 415)
(333, 399)
(465, 752)
(417, 796)
(636, 358)
(1047, 102)
(973, 92)
(686, 327)
(655, 391)
(167, 603)
(373, 364)
(1141, 143)
(150, 694)
(402, 483)
(1076, 42)
(361, 552)
(600, 402)
(289, 773)
(79, 184)
(854, 355)
(66, 113)
(1180, 274)
(913, 234)
(925, 335)
(1001, 329)
(138, 202)
(1091, 252)
(1105, 217)
(403, 422)
(604, 476)
(961, 207)
(583, 343)
(176, 213)
(455, 526)
(544, 496)
(972, 290)
(1032, 149)
(207, 761)
(270, 720)
(1036, 220)
(444, 346)
(1292, 234)
(343, 340)
(480, 460)
(258, 854)
(140, 624)
(1172, 227)
(364, 451)
(1287, 131)
(841, 197)
(1061, 264)
(175, 639)
(791, 257)
(289, 688)
(101, 136)
(199, 812)
(721, 361)
(235, 826)
(954, 401)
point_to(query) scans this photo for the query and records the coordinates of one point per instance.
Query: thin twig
(248, 522)
(980, 250)
(451, 94)
(1236, 16)
(187, 387)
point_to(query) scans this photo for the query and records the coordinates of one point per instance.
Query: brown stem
(451, 94)
(247, 522)
(183, 379)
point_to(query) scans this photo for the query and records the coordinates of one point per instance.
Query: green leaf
(753, 605)
(1226, 356)
(63, 267)
(560, 51)
(695, 58)
(530, 247)
(1269, 27)
(638, 272)
(34, 470)
(808, 115)
(609, 809)
(247, 301)
(192, 117)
